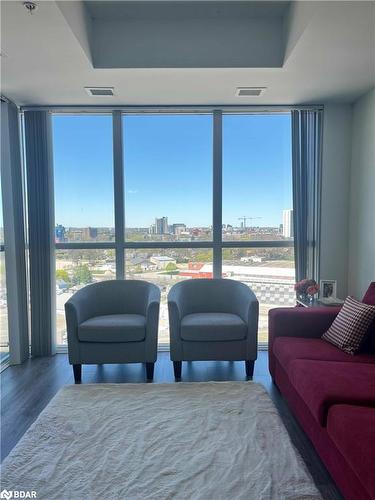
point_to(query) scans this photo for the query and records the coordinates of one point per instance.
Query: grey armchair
(213, 319)
(113, 322)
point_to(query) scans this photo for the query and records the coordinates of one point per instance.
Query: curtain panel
(14, 233)
(306, 166)
(41, 222)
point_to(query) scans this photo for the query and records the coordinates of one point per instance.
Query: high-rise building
(288, 223)
(89, 233)
(75, 234)
(161, 225)
(59, 233)
(178, 228)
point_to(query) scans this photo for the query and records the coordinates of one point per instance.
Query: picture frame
(328, 289)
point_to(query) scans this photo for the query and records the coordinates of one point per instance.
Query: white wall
(362, 197)
(335, 195)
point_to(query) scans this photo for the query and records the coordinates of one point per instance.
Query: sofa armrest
(300, 321)
(297, 322)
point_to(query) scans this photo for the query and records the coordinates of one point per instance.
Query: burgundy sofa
(331, 393)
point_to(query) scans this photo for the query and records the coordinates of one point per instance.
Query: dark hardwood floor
(26, 389)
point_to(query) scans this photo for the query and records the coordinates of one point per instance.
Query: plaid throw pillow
(349, 329)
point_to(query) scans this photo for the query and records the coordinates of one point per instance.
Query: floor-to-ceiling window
(84, 206)
(168, 169)
(169, 196)
(258, 208)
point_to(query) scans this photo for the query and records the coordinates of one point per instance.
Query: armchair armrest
(175, 300)
(80, 306)
(244, 301)
(175, 310)
(152, 323)
(246, 305)
(153, 298)
(76, 312)
(78, 309)
(74, 315)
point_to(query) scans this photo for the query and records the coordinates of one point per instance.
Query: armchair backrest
(208, 295)
(115, 297)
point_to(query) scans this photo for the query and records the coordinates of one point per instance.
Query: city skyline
(162, 226)
(168, 169)
(169, 223)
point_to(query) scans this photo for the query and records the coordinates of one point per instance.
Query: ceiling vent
(250, 91)
(99, 91)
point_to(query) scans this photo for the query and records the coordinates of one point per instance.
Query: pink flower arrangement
(306, 286)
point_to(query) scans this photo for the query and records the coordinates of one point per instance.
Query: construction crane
(244, 219)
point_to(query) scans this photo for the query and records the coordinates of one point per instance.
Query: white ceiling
(329, 57)
(182, 34)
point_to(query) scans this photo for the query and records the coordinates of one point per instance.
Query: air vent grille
(250, 91)
(99, 91)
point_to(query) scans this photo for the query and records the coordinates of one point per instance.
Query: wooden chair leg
(150, 371)
(177, 366)
(77, 370)
(249, 368)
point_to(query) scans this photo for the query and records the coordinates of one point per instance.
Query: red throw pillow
(350, 327)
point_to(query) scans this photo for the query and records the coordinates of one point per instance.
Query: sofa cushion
(203, 327)
(352, 429)
(322, 384)
(286, 349)
(113, 328)
(350, 326)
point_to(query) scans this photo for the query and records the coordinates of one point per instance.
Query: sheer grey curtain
(306, 164)
(14, 233)
(41, 221)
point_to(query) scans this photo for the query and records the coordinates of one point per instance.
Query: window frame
(217, 244)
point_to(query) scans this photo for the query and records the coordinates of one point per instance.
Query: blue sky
(168, 169)
(257, 172)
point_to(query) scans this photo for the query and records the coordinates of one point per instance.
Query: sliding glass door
(201, 196)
